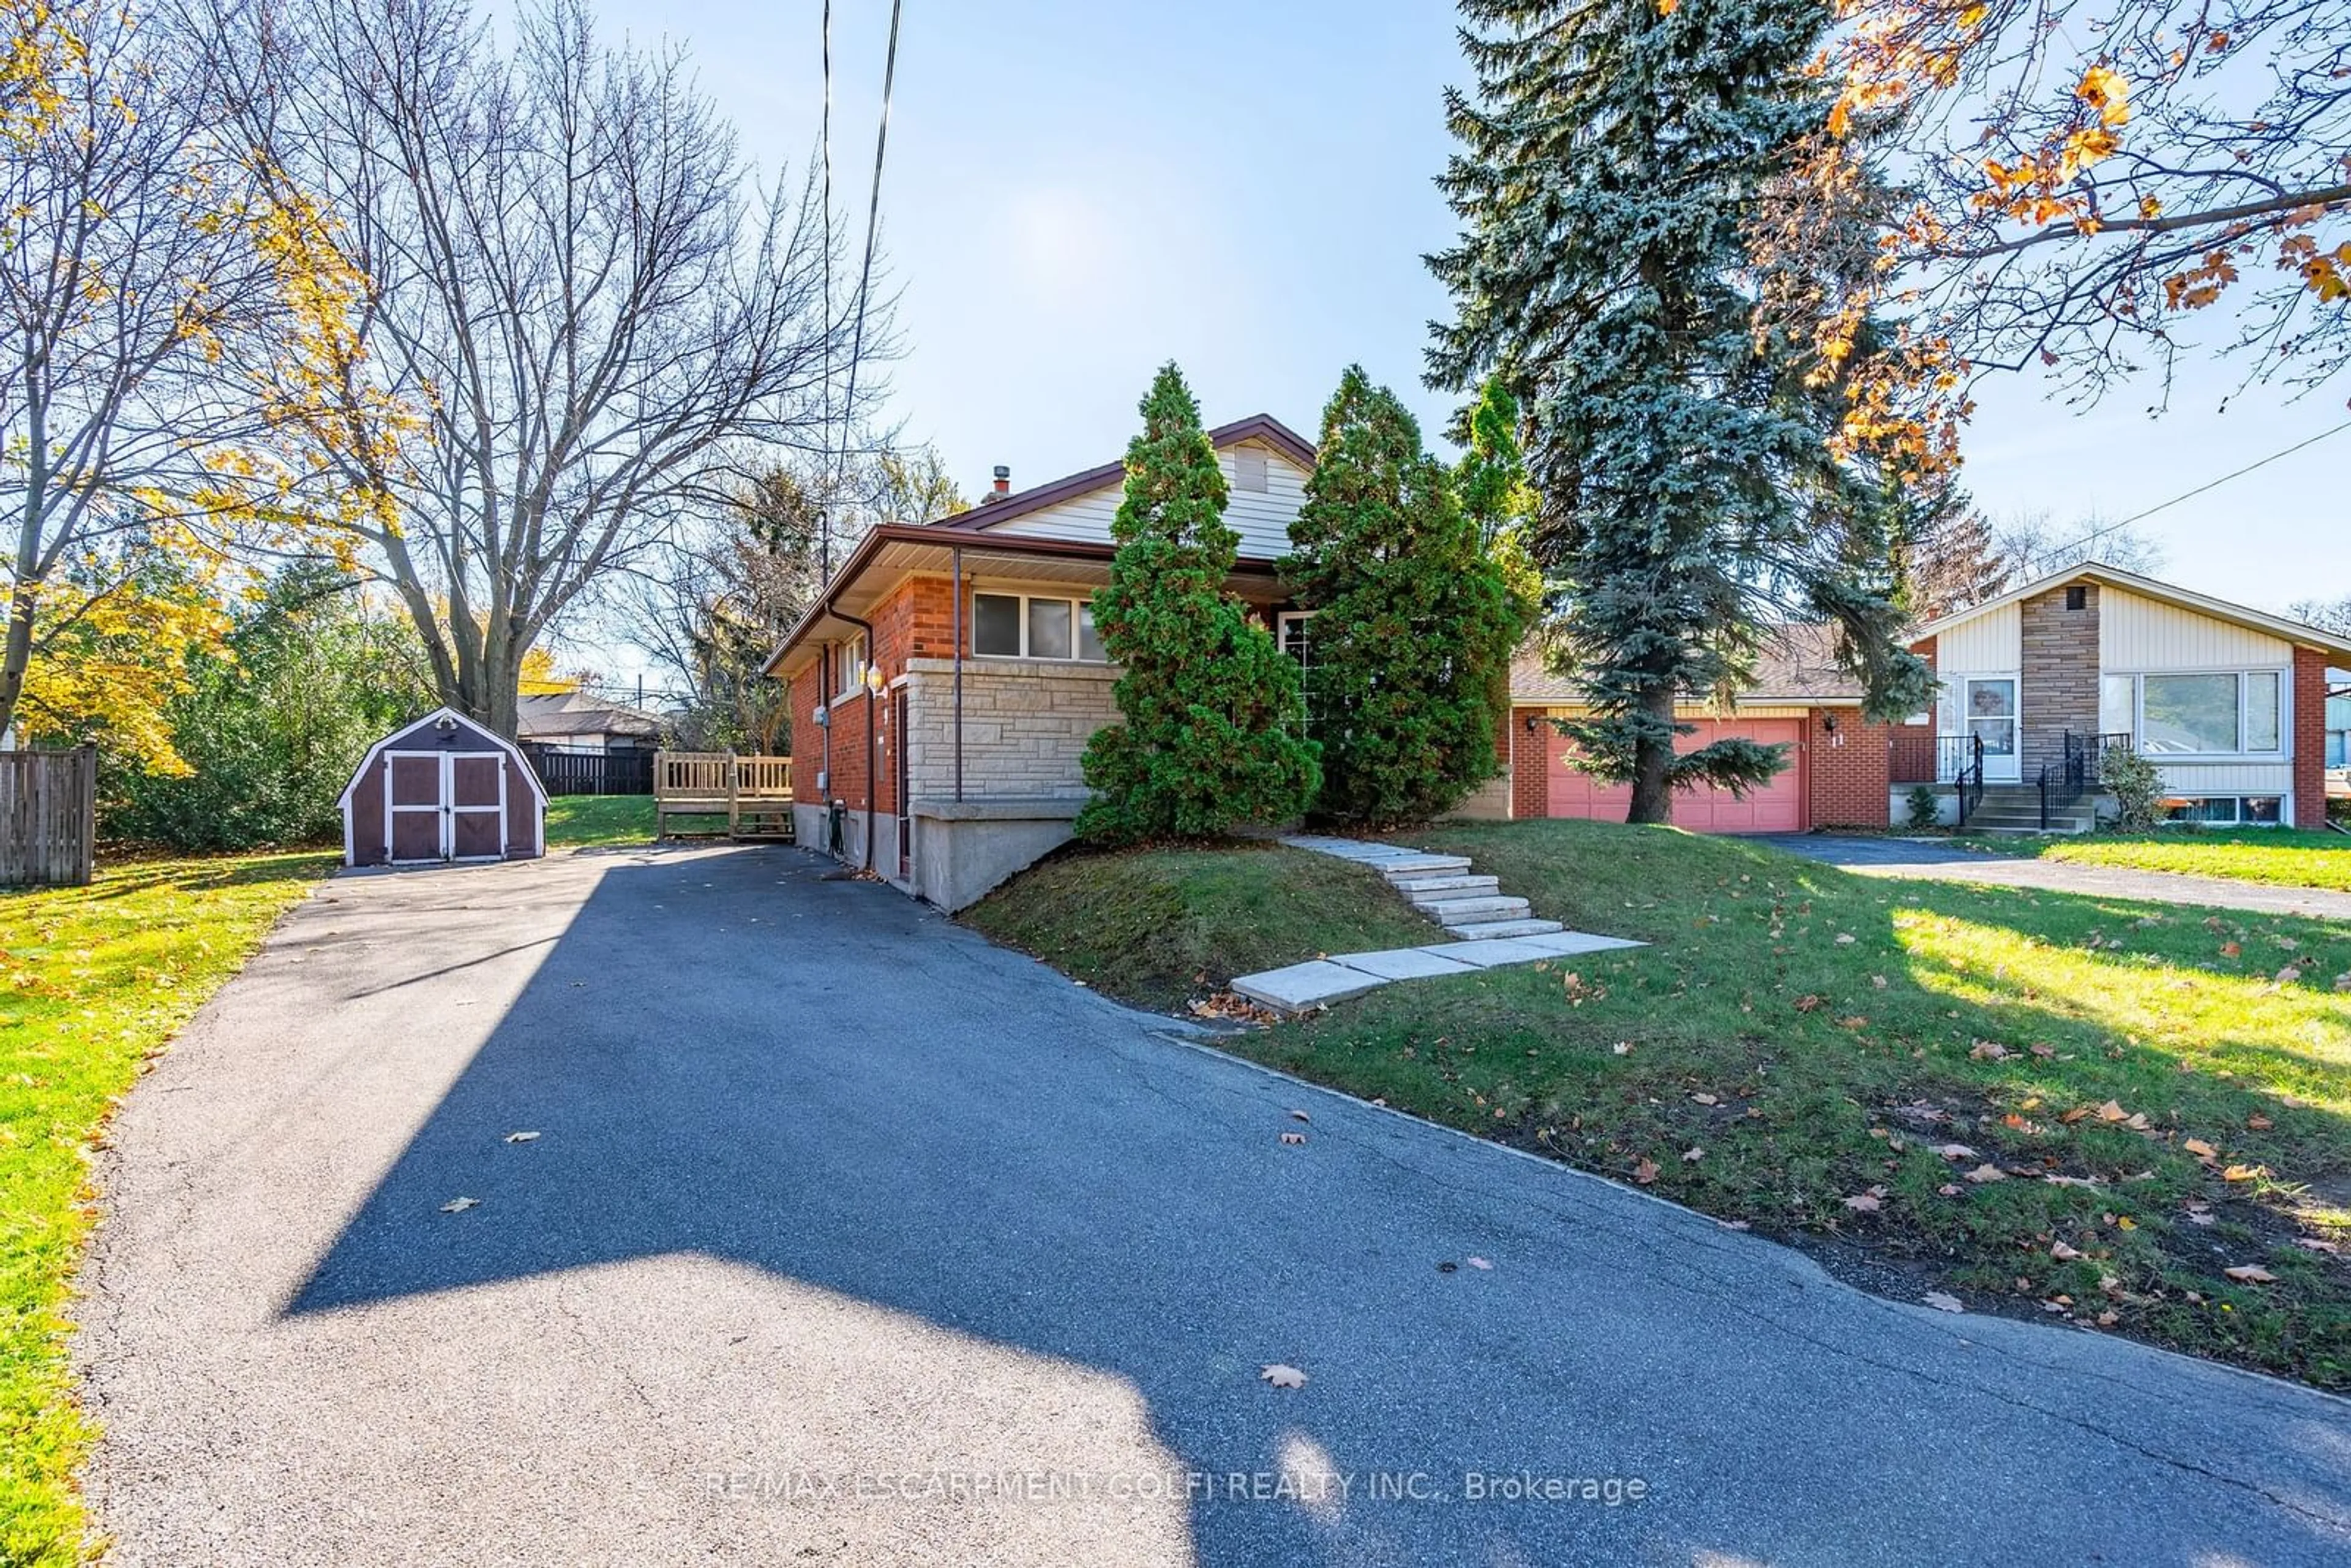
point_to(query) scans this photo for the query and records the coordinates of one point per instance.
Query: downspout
(955, 558)
(870, 650)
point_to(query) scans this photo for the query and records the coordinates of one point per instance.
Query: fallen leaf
(1987, 1173)
(2259, 1123)
(2126, 1222)
(2231, 950)
(2314, 1244)
(1943, 1302)
(1692, 1154)
(1283, 1376)
(1646, 1171)
(2055, 1180)
(2249, 1274)
(1299, 1116)
(2199, 1216)
(2043, 1052)
(2113, 1112)
(2199, 1149)
(1293, 1137)
(1805, 1004)
(1706, 1099)
(1845, 939)
(1623, 1048)
(2287, 976)
(2076, 1115)
(1987, 1051)
(2240, 1173)
(1476, 1262)
(2109, 1318)
(521, 1138)
(1865, 1202)
(2062, 1253)
(460, 1205)
(1948, 1190)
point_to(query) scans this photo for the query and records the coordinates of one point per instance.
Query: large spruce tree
(1412, 620)
(1612, 157)
(1214, 732)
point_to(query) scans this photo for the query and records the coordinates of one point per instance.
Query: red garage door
(1777, 807)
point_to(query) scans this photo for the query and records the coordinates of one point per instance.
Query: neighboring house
(574, 721)
(945, 686)
(2230, 702)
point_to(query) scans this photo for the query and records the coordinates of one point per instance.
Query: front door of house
(1990, 717)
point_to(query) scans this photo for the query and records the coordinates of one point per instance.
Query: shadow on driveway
(825, 1187)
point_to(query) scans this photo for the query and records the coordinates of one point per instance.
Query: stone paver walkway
(1494, 930)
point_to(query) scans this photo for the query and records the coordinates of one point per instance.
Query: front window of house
(1290, 629)
(2210, 713)
(1031, 626)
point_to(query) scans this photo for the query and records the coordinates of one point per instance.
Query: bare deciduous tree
(579, 313)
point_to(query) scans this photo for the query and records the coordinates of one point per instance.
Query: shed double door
(444, 806)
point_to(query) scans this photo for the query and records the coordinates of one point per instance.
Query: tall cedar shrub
(1611, 159)
(1214, 731)
(1413, 623)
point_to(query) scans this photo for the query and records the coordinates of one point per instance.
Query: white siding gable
(2137, 634)
(1990, 643)
(1262, 518)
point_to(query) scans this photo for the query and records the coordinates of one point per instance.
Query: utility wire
(824, 147)
(2105, 529)
(872, 222)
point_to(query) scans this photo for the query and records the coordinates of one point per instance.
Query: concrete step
(1447, 911)
(1460, 887)
(1477, 931)
(1405, 865)
(1442, 881)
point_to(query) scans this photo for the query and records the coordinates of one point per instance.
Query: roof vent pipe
(1003, 484)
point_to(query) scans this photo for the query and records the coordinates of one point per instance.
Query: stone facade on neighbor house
(2057, 635)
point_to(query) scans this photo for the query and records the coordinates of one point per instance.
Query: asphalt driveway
(847, 1238)
(1939, 858)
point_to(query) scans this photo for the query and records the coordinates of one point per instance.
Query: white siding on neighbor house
(1990, 644)
(2227, 778)
(2137, 636)
(1262, 518)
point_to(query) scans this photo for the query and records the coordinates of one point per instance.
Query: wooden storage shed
(442, 788)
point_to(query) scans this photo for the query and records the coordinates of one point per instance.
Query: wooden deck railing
(756, 791)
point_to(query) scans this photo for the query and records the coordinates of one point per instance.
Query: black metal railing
(1920, 758)
(2074, 774)
(1969, 774)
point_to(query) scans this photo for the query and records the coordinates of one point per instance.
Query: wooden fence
(564, 771)
(48, 818)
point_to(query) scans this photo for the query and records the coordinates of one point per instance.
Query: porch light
(873, 679)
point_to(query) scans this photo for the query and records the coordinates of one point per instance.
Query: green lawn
(2290, 857)
(1160, 928)
(1830, 1059)
(92, 982)
(575, 821)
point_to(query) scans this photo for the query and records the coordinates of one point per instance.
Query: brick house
(2037, 685)
(945, 685)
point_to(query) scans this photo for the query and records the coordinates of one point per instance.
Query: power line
(872, 223)
(824, 147)
(2105, 529)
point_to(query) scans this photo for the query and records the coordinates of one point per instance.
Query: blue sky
(1077, 191)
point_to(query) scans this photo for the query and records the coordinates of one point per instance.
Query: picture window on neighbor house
(2077, 598)
(1248, 469)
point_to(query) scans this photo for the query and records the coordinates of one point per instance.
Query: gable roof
(577, 713)
(1796, 667)
(2099, 572)
(513, 752)
(1256, 427)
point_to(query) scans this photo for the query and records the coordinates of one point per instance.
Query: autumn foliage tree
(1414, 622)
(139, 257)
(1212, 717)
(2088, 177)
